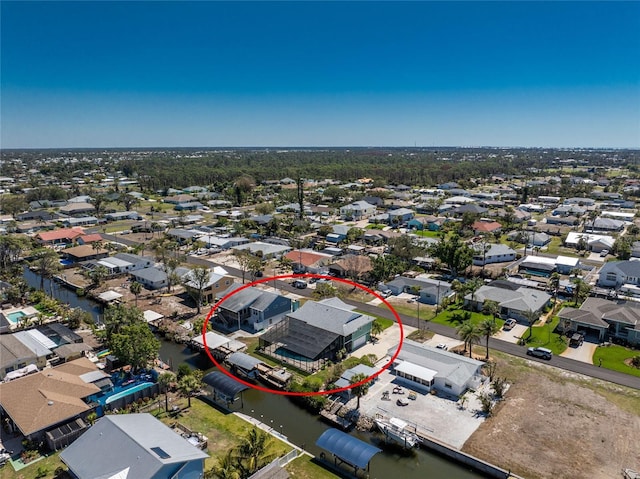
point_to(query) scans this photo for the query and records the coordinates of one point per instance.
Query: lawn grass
(613, 357)
(50, 463)
(305, 468)
(543, 336)
(224, 431)
(429, 234)
(454, 317)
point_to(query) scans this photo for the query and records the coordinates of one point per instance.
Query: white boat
(396, 430)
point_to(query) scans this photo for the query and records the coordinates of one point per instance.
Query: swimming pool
(291, 355)
(126, 392)
(15, 316)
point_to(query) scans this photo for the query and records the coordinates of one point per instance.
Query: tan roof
(49, 397)
(83, 251)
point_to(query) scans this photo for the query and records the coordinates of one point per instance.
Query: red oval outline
(310, 393)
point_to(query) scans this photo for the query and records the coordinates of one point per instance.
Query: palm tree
(456, 287)
(468, 333)
(554, 284)
(252, 452)
(532, 317)
(135, 289)
(361, 389)
(376, 328)
(226, 468)
(491, 307)
(164, 380)
(488, 328)
(188, 386)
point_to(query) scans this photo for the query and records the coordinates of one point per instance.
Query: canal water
(283, 415)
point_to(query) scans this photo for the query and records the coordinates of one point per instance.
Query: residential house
(59, 236)
(486, 227)
(253, 308)
(357, 211)
(130, 446)
(604, 225)
(37, 403)
(84, 253)
(14, 355)
(545, 266)
(264, 250)
(123, 215)
(224, 243)
(425, 368)
(400, 216)
(352, 266)
(189, 206)
(615, 274)
(38, 215)
(569, 210)
(514, 301)
(318, 331)
(218, 282)
(89, 239)
(429, 290)
(492, 253)
(604, 319)
(80, 221)
(183, 236)
(346, 377)
(471, 208)
(77, 209)
(562, 220)
(592, 242)
(151, 278)
(177, 199)
(309, 261)
(580, 201)
(428, 223)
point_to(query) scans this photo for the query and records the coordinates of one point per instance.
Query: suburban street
(503, 346)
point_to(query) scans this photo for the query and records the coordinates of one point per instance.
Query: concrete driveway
(513, 335)
(582, 353)
(450, 342)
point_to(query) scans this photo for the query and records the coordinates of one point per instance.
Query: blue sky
(102, 74)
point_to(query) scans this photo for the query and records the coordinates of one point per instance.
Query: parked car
(386, 293)
(543, 353)
(576, 339)
(442, 346)
(509, 324)
(604, 253)
(300, 284)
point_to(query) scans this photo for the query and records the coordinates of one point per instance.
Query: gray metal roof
(241, 299)
(348, 448)
(522, 299)
(137, 442)
(224, 384)
(331, 315)
(243, 360)
(152, 274)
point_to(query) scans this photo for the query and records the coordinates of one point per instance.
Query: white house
(495, 253)
(424, 367)
(357, 210)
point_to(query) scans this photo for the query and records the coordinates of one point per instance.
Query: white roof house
(425, 367)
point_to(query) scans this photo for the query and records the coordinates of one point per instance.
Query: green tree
(361, 389)
(554, 284)
(164, 381)
(531, 317)
(385, 267)
(189, 385)
(226, 467)
(469, 333)
(47, 262)
(454, 253)
(491, 308)
(247, 262)
(198, 279)
(405, 248)
(11, 249)
(376, 328)
(97, 275)
(252, 452)
(136, 289)
(324, 290)
(488, 328)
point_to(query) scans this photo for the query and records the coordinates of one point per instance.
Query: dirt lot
(560, 425)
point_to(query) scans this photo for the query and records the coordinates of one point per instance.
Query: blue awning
(349, 449)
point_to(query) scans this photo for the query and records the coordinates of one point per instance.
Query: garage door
(361, 341)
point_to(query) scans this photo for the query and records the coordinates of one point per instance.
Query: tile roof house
(60, 236)
(133, 446)
(514, 303)
(309, 261)
(426, 367)
(46, 399)
(480, 227)
(605, 319)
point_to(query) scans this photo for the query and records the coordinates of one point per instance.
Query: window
(448, 385)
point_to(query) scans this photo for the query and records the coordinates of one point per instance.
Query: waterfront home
(603, 319)
(424, 367)
(150, 278)
(59, 236)
(253, 308)
(318, 331)
(514, 301)
(40, 402)
(84, 253)
(133, 446)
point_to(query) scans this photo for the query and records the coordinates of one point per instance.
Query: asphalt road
(503, 346)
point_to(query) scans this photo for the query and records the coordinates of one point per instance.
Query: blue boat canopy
(349, 449)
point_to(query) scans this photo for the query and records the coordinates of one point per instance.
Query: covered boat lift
(347, 449)
(223, 388)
